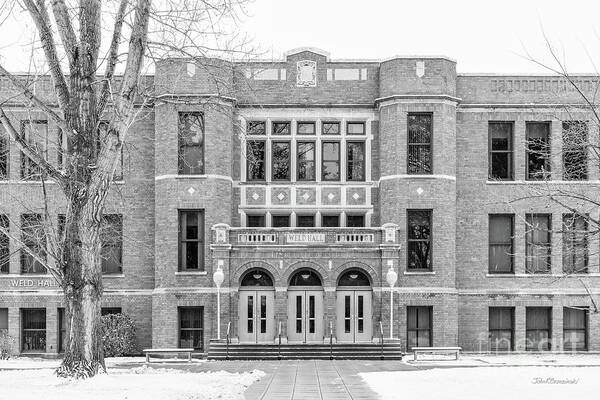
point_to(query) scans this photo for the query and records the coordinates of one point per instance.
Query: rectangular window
(280, 159)
(191, 143)
(111, 236)
(306, 161)
(3, 320)
(575, 244)
(355, 128)
(110, 310)
(4, 245)
(538, 243)
(255, 221)
(501, 243)
(538, 325)
(500, 150)
(255, 160)
(420, 138)
(305, 221)
(256, 128)
(575, 329)
(355, 221)
(280, 221)
(331, 161)
(191, 328)
(419, 239)
(306, 128)
(33, 331)
(36, 134)
(538, 150)
(34, 239)
(418, 324)
(281, 128)
(575, 142)
(501, 325)
(62, 330)
(191, 240)
(330, 128)
(4, 154)
(330, 221)
(355, 152)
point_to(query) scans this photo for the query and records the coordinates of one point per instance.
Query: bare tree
(70, 37)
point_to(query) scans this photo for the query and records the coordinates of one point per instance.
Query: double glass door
(305, 316)
(354, 316)
(256, 316)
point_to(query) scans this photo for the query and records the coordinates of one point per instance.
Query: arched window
(354, 277)
(305, 277)
(256, 277)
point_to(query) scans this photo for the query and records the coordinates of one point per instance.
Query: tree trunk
(84, 353)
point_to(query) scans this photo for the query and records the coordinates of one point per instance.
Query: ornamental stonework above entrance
(306, 73)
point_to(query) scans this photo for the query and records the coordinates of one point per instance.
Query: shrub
(118, 335)
(7, 345)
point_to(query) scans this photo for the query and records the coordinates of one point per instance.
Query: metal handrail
(227, 339)
(381, 338)
(330, 340)
(279, 346)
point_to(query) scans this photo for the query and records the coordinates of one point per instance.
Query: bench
(147, 352)
(432, 350)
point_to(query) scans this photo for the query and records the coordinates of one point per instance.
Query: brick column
(557, 326)
(14, 327)
(52, 329)
(519, 338)
(557, 242)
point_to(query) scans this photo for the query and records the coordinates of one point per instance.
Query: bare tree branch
(65, 30)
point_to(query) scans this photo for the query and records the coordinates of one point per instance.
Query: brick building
(305, 181)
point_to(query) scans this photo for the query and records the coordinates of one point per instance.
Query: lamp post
(218, 278)
(391, 277)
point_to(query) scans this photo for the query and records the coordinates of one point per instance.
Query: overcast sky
(483, 36)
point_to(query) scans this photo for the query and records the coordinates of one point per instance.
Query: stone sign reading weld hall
(305, 238)
(33, 283)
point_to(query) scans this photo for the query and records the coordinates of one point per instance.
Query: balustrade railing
(306, 236)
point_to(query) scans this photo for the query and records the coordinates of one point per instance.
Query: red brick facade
(458, 287)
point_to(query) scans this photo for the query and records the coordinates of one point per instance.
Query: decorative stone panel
(306, 196)
(280, 196)
(255, 196)
(331, 196)
(356, 196)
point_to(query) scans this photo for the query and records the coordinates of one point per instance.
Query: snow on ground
(489, 383)
(138, 383)
(514, 359)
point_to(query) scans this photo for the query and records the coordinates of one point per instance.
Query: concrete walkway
(317, 380)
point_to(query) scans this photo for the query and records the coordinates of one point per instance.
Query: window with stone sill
(331, 161)
(4, 245)
(191, 327)
(575, 144)
(191, 240)
(306, 161)
(500, 150)
(35, 132)
(280, 161)
(575, 244)
(355, 161)
(420, 138)
(111, 236)
(255, 160)
(537, 136)
(191, 143)
(33, 237)
(538, 228)
(419, 240)
(500, 238)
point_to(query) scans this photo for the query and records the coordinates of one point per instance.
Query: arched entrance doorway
(256, 310)
(305, 307)
(354, 307)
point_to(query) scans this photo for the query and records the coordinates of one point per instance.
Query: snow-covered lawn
(137, 383)
(489, 383)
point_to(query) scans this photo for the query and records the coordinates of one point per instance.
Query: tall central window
(500, 150)
(575, 244)
(306, 161)
(501, 243)
(191, 240)
(111, 236)
(255, 160)
(280, 158)
(34, 244)
(191, 143)
(36, 134)
(331, 161)
(355, 166)
(420, 136)
(575, 143)
(419, 239)
(538, 150)
(537, 240)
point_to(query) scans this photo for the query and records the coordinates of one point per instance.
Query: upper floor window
(280, 221)
(36, 134)
(355, 128)
(191, 143)
(500, 150)
(255, 160)
(256, 128)
(537, 135)
(281, 128)
(420, 133)
(305, 221)
(330, 128)
(575, 143)
(280, 158)
(537, 242)
(330, 220)
(306, 128)
(111, 236)
(4, 245)
(575, 243)
(191, 240)
(255, 221)
(418, 239)
(355, 221)
(306, 161)
(33, 237)
(331, 161)
(501, 228)
(4, 154)
(355, 166)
